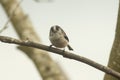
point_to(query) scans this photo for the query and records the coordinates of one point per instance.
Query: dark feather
(69, 47)
(66, 38)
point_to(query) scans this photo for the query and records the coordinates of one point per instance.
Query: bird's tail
(69, 47)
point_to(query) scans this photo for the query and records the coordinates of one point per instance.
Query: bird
(58, 37)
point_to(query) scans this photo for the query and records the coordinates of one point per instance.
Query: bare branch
(60, 52)
(46, 66)
(12, 14)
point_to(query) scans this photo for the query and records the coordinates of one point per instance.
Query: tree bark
(114, 60)
(48, 69)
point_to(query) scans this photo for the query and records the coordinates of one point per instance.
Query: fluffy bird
(58, 37)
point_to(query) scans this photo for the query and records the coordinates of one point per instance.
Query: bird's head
(55, 28)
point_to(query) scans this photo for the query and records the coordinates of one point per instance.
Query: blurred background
(89, 24)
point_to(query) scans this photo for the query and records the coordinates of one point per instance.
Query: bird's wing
(65, 36)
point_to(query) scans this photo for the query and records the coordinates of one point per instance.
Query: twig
(60, 52)
(12, 14)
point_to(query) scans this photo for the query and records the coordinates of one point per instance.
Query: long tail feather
(69, 47)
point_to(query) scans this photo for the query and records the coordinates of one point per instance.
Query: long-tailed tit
(58, 37)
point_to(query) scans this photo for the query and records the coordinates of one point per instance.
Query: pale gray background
(89, 24)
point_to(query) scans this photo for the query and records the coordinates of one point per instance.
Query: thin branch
(46, 66)
(60, 52)
(12, 14)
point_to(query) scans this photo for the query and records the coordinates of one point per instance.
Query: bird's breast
(60, 42)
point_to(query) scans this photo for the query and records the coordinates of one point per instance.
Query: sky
(89, 24)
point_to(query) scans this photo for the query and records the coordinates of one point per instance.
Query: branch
(45, 65)
(114, 58)
(12, 14)
(60, 52)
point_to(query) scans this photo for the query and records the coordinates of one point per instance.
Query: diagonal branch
(60, 52)
(45, 65)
